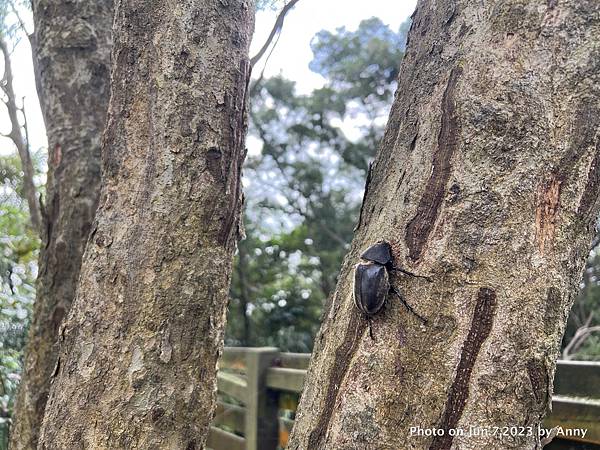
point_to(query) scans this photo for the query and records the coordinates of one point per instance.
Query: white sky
(290, 58)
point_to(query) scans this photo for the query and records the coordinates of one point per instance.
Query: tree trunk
(71, 52)
(137, 367)
(486, 181)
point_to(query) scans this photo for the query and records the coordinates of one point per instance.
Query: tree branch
(16, 136)
(578, 339)
(256, 83)
(276, 29)
(33, 44)
(263, 136)
(20, 20)
(25, 126)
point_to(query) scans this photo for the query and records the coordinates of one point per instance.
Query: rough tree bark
(71, 52)
(137, 367)
(487, 181)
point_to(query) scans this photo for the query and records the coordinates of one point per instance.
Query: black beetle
(372, 280)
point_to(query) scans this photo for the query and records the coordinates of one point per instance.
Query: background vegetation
(308, 159)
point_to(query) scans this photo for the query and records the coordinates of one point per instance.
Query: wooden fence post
(262, 425)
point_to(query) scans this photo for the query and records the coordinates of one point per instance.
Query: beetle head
(380, 253)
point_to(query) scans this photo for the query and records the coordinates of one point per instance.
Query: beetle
(372, 280)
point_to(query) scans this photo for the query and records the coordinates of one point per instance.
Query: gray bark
(137, 367)
(487, 181)
(71, 52)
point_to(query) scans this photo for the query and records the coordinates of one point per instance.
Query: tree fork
(487, 180)
(137, 367)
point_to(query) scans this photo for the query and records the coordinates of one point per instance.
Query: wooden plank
(230, 416)
(294, 360)
(222, 440)
(233, 358)
(577, 379)
(234, 385)
(262, 428)
(572, 413)
(286, 379)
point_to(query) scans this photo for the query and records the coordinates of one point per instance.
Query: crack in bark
(538, 378)
(547, 210)
(343, 357)
(238, 131)
(365, 194)
(549, 191)
(592, 187)
(481, 326)
(552, 310)
(421, 225)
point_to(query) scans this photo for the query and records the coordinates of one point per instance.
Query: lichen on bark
(486, 181)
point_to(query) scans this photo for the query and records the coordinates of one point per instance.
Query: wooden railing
(259, 388)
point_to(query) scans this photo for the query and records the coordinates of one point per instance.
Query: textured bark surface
(487, 181)
(71, 51)
(137, 367)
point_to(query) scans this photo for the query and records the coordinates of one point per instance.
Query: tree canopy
(304, 178)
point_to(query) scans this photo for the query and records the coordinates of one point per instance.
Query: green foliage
(586, 313)
(361, 65)
(304, 187)
(277, 283)
(590, 350)
(18, 269)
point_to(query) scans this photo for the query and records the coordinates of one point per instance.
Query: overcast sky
(290, 58)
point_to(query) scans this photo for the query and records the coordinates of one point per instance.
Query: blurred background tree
(308, 158)
(19, 244)
(304, 176)
(582, 336)
(19, 240)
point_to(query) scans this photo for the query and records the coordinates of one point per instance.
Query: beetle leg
(410, 274)
(410, 308)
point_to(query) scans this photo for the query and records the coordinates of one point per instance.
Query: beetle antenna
(410, 308)
(370, 328)
(410, 274)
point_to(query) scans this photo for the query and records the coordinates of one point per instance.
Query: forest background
(317, 113)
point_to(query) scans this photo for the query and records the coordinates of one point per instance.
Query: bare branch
(256, 83)
(294, 205)
(21, 22)
(25, 127)
(33, 44)
(276, 29)
(16, 136)
(581, 335)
